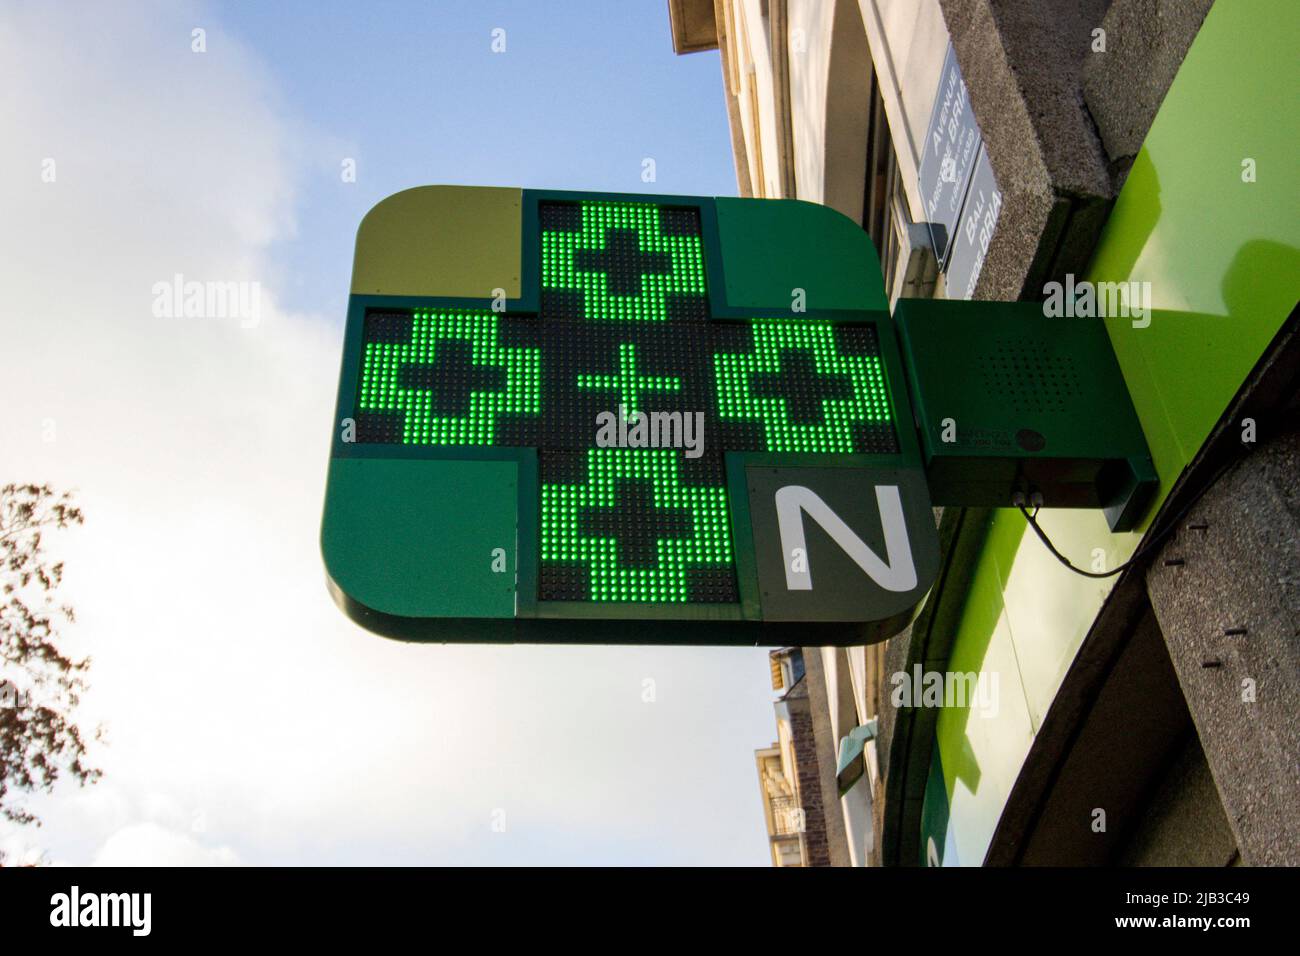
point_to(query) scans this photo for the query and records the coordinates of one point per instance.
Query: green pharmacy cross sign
(567, 417)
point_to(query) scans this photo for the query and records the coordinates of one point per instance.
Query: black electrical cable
(1147, 546)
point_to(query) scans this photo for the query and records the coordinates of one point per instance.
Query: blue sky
(248, 721)
(413, 91)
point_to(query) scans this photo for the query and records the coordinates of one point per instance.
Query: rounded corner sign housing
(605, 418)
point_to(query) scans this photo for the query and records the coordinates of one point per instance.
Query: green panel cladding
(1219, 254)
(822, 254)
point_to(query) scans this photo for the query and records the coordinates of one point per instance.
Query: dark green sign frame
(429, 542)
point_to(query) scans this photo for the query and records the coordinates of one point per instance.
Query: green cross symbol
(628, 383)
(623, 263)
(383, 386)
(563, 539)
(738, 397)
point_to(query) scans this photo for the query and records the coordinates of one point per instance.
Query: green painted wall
(1222, 257)
(1220, 253)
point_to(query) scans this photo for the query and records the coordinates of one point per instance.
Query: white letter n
(896, 573)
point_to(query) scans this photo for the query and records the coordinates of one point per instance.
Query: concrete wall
(1230, 612)
(1146, 43)
(1062, 113)
(908, 41)
(1183, 823)
(1064, 92)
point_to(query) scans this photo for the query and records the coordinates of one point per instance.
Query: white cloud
(234, 691)
(148, 844)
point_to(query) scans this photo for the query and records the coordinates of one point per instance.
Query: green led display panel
(677, 526)
(812, 393)
(621, 261)
(625, 389)
(442, 377)
(624, 330)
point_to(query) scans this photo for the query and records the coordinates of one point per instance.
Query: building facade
(1010, 150)
(799, 808)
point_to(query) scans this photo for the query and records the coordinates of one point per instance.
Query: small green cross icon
(628, 383)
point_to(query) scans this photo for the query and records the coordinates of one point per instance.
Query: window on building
(883, 192)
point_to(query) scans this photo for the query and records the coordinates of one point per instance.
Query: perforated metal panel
(1010, 400)
(1028, 375)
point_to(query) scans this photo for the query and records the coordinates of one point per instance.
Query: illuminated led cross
(452, 377)
(802, 387)
(416, 366)
(811, 394)
(678, 527)
(625, 264)
(617, 281)
(640, 522)
(633, 502)
(628, 383)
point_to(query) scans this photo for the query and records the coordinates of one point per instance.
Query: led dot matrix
(704, 509)
(626, 259)
(624, 319)
(860, 377)
(403, 376)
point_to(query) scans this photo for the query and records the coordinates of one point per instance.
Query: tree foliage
(40, 685)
